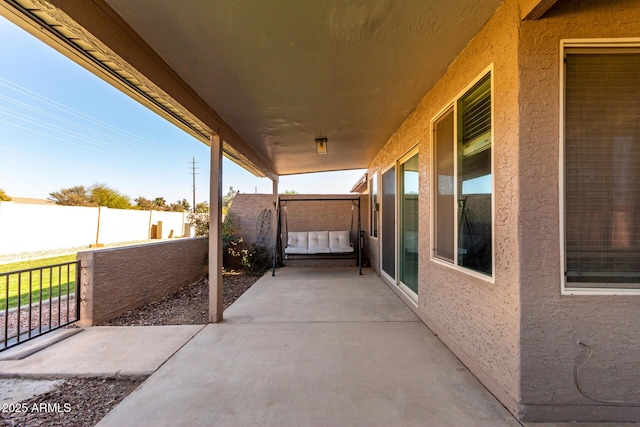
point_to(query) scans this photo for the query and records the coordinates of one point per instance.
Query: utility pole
(194, 173)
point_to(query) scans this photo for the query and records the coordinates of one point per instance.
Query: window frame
(588, 44)
(453, 105)
(374, 206)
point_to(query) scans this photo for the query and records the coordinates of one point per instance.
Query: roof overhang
(268, 77)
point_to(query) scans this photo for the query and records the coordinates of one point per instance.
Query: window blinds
(602, 167)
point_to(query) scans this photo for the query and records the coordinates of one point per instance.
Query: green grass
(51, 281)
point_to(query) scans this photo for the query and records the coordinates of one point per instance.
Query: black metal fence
(38, 300)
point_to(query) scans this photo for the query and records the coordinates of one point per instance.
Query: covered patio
(460, 113)
(312, 347)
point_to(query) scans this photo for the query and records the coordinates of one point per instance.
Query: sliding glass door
(408, 238)
(399, 225)
(389, 222)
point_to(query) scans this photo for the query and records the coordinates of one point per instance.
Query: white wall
(27, 227)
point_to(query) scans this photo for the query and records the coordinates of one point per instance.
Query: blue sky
(61, 126)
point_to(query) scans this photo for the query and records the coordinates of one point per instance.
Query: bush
(256, 260)
(201, 222)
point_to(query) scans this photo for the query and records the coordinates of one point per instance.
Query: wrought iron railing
(38, 300)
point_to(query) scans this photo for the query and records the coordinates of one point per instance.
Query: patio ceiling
(270, 76)
(283, 73)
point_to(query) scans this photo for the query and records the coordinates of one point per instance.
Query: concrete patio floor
(313, 347)
(309, 347)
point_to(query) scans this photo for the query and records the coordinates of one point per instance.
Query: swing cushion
(297, 242)
(340, 242)
(319, 242)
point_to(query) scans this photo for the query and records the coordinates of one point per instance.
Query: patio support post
(215, 232)
(275, 187)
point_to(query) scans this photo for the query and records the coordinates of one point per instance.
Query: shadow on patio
(311, 347)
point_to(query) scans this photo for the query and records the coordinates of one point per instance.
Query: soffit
(282, 73)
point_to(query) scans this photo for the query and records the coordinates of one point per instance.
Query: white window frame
(383, 273)
(401, 160)
(374, 177)
(454, 104)
(412, 296)
(564, 45)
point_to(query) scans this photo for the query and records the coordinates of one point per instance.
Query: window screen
(463, 189)
(602, 167)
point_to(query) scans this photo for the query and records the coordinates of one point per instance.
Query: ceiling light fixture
(321, 145)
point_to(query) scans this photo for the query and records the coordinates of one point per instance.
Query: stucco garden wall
(477, 319)
(117, 280)
(31, 227)
(253, 213)
(553, 325)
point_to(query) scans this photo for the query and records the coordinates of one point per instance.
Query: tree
(200, 218)
(290, 192)
(4, 197)
(160, 204)
(202, 207)
(143, 203)
(96, 195)
(179, 206)
(103, 195)
(72, 196)
(227, 199)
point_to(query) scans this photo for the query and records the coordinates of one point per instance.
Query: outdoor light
(321, 145)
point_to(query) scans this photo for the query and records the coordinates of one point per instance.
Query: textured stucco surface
(247, 210)
(478, 320)
(121, 279)
(553, 325)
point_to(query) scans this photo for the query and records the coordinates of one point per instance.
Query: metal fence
(38, 300)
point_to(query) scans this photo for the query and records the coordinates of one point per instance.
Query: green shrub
(256, 260)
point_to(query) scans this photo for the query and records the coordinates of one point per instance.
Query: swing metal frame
(281, 203)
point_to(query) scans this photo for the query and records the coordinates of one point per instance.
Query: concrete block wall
(114, 281)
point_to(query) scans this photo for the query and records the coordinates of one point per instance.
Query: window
(601, 156)
(462, 201)
(374, 204)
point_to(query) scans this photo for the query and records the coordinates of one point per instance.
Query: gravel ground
(37, 317)
(83, 402)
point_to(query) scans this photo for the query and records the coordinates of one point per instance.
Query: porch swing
(314, 244)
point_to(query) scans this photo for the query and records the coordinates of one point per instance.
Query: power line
(194, 173)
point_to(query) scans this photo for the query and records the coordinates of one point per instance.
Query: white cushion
(297, 242)
(319, 242)
(340, 242)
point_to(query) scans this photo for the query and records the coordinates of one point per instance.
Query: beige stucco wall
(246, 209)
(477, 319)
(116, 280)
(519, 335)
(552, 324)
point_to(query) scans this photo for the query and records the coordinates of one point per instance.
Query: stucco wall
(552, 324)
(251, 217)
(477, 319)
(114, 281)
(30, 227)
